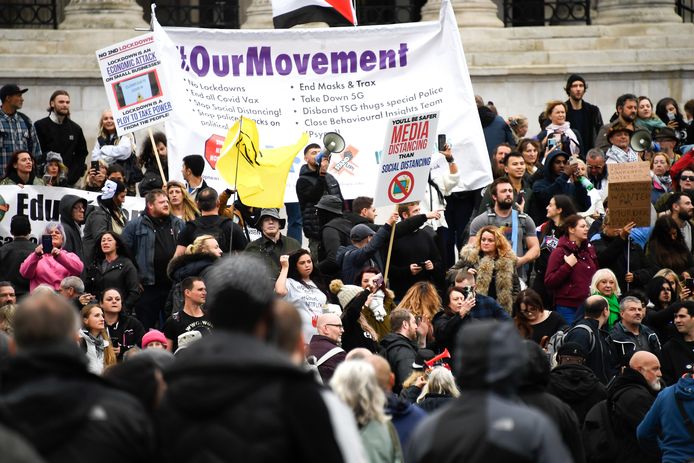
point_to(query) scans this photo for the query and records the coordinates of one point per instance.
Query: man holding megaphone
(314, 182)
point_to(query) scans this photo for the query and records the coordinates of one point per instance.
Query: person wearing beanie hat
(357, 330)
(54, 171)
(107, 215)
(12, 254)
(193, 167)
(335, 230)
(585, 118)
(154, 339)
(19, 133)
(272, 244)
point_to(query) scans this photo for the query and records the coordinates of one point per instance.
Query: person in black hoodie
(487, 424)
(334, 233)
(573, 382)
(677, 356)
(48, 395)
(400, 345)
(72, 216)
(559, 177)
(532, 393)
(15, 252)
(660, 313)
(246, 398)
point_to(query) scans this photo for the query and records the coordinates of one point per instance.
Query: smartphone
(47, 179)
(689, 284)
(442, 142)
(521, 197)
(378, 281)
(47, 243)
(95, 165)
(422, 264)
(552, 142)
(671, 115)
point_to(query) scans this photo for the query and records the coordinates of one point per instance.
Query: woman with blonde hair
(182, 205)
(604, 283)
(439, 390)
(112, 148)
(95, 340)
(494, 263)
(195, 262)
(354, 382)
(519, 126)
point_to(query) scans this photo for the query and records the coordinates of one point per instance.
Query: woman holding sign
(112, 148)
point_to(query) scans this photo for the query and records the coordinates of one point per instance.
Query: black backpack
(600, 440)
(215, 229)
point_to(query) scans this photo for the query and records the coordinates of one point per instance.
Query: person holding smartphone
(49, 264)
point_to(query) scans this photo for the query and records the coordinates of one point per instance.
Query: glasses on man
(336, 325)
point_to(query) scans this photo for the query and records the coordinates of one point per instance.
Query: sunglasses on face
(687, 178)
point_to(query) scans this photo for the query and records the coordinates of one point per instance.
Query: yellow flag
(262, 175)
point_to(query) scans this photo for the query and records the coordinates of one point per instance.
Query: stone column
(258, 15)
(468, 13)
(103, 14)
(631, 12)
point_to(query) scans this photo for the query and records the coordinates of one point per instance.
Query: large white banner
(347, 80)
(42, 205)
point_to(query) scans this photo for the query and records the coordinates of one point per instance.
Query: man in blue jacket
(666, 423)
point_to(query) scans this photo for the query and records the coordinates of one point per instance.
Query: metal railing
(21, 14)
(546, 12)
(219, 14)
(685, 8)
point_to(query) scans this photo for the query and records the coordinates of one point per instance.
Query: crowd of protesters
(512, 323)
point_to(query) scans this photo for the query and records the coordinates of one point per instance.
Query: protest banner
(406, 159)
(346, 80)
(131, 71)
(629, 189)
(42, 205)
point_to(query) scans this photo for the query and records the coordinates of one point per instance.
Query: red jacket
(570, 285)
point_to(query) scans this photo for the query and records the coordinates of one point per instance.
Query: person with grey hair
(355, 383)
(629, 334)
(72, 288)
(439, 390)
(230, 375)
(50, 266)
(50, 397)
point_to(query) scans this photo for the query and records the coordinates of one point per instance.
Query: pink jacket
(46, 269)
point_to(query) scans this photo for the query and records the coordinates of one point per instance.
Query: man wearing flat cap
(16, 130)
(272, 244)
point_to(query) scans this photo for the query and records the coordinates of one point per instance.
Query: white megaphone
(332, 143)
(641, 140)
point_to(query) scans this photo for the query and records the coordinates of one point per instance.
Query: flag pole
(156, 156)
(236, 191)
(390, 250)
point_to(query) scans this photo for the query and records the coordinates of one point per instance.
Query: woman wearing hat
(20, 170)
(619, 135)
(55, 172)
(272, 244)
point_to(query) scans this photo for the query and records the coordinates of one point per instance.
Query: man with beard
(584, 117)
(681, 210)
(630, 396)
(518, 228)
(59, 133)
(596, 170)
(629, 335)
(678, 353)
(626, 106)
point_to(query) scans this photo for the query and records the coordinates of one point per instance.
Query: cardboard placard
(629, 194)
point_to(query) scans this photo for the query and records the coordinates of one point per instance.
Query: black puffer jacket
(310, 188)
(400, 353)
(120, 274)
(532, 392)
(578, 386)
(71, 415)
(73, 233)
(232, 398)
